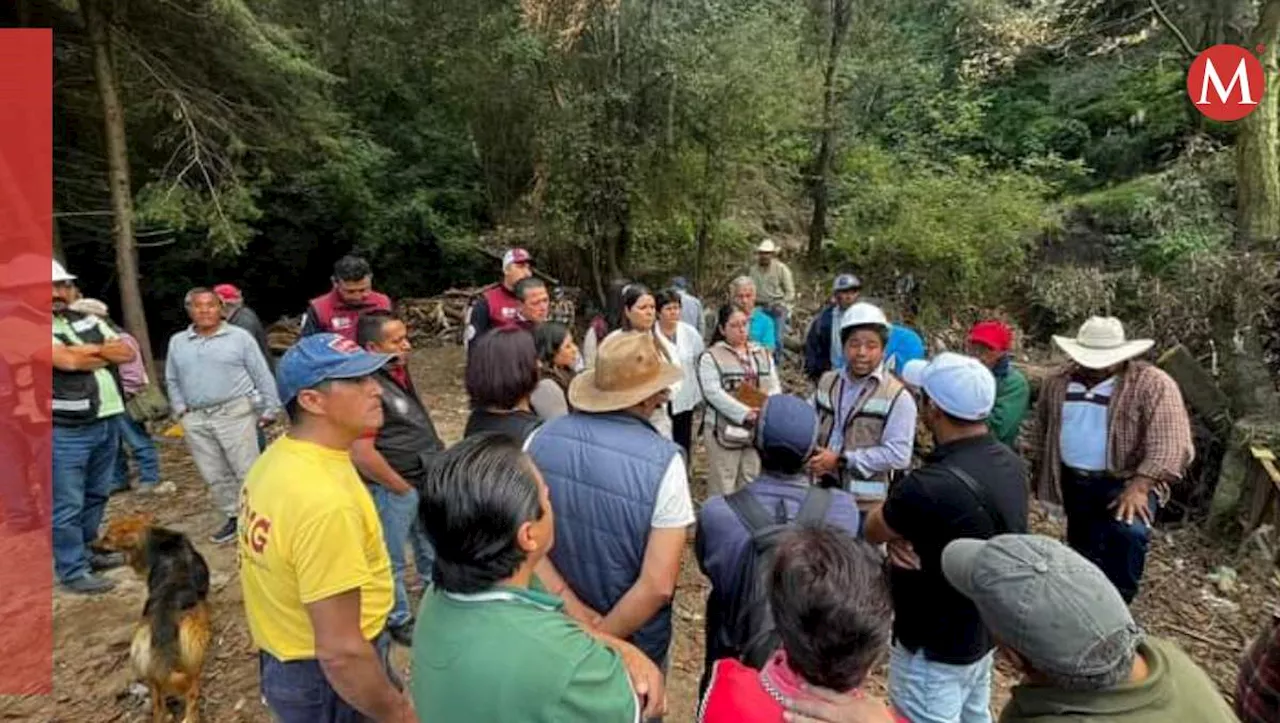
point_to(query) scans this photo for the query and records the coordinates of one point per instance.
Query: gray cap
(1045, 601)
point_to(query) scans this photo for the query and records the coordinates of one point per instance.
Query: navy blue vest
(603, 472)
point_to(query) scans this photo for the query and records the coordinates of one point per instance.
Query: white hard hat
(767, 246)
(60, 274)
(864, 314)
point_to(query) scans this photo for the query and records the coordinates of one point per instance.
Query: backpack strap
(749, 510)
(813, 511)
(983, 496)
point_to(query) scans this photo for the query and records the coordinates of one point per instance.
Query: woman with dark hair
(557, 356)
(502, 371)
(640, 314)
(832, 612)
(685, 343)
(735, 375)
(488, 617)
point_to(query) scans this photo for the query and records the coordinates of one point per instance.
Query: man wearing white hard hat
(776, 288)
(867, 419)
(971, 486)
(86, 438)
(1110, 436)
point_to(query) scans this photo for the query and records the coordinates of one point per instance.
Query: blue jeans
(136, 437)
(399, 514)
(84, 463)
(297, 691)
(926, 691)
(1119, 549)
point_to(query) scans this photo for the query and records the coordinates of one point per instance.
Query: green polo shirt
(110, 401)
(1176, 690)
(511, 655)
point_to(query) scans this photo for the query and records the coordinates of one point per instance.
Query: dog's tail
(164, 620)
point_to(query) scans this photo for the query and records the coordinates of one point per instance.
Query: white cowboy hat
(767, 246)
(629, 369)
(1100, 343)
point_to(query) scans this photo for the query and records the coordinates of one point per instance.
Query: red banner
(26, 207)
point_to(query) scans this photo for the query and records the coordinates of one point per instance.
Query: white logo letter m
(1241, 76)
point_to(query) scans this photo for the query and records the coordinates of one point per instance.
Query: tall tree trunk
(104, 72)
(1258, 143)
(702, 236)
(838, 25)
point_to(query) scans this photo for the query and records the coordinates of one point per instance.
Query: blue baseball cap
(846, 282)
(787, 424)
(320, 358)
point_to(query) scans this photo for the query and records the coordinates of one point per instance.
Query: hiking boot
(88, 584)
(402, 633)
(99, 561)
(226, 533)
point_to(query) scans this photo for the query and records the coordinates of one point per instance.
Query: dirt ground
(92, 680)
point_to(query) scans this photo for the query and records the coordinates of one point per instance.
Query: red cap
(227, 292)
(994, 334)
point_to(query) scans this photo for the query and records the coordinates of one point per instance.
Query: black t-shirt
(516, 424)
(931, 507)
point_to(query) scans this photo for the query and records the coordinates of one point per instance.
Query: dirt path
(93, 683)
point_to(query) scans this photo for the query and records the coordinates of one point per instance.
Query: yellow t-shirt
(308, 531)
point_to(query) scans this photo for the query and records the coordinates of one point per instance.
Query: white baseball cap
(60, 274)
(960, 385)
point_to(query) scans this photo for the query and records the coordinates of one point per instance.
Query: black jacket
(246, 319)
(817, 343)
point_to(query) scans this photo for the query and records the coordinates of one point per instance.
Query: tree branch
(1191, 52)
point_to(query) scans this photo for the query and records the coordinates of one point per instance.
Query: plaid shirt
(1258, 685)
(1149, 433)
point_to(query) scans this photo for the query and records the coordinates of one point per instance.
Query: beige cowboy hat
(767, 246)
(629, 369)
(1101, 343)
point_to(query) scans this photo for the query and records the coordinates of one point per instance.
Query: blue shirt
(204, 371)
(691, 311)
(904, 345)
(763, 331)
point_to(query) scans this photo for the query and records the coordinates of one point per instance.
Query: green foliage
(962, 232)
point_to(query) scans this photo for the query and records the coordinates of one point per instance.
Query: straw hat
(1101, 343)
(629, 369)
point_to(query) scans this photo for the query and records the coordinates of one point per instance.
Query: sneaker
(402, 633)
(88, 584)
(99, 561)
(159, 488)
(226, 533)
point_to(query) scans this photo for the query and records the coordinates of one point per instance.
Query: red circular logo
(1226, 82)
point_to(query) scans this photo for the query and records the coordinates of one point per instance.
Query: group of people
(554, 532)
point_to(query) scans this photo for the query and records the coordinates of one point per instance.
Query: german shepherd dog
(170, 642)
